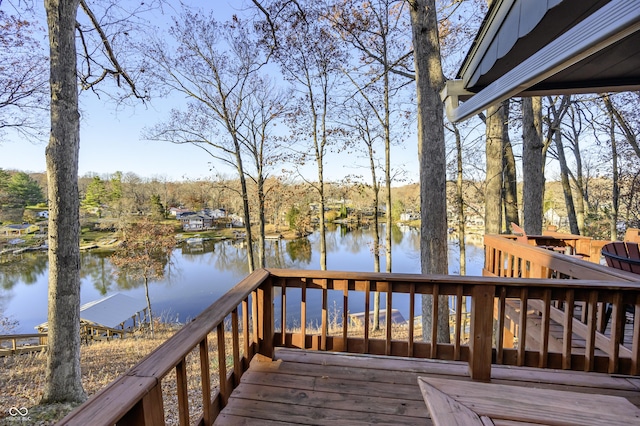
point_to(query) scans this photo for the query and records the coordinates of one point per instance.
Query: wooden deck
(585, 375)
(318, 388)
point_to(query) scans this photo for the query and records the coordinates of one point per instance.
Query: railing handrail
(568, 265)
(21, 336)
(613, 284)
(141, 378)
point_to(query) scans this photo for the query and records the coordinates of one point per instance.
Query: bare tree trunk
(387, 167)
(460, 203)
(245, 209)
(566, 186)
(261, 221)
(376, 235)
(532, 165)
(323, 232)
(431, 152)
(493, 179)
(509, 172)
(146, 295)
(615, 190)
(63, 377)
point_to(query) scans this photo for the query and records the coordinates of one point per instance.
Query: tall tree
(378, 31)
(63, 378)
(215, 65)
(431, 152)
(510, 181)
(24, 190)
(311, 61)
(494, 163)
(573, 136)
(265, 109)
(556, 114)
(532, 165)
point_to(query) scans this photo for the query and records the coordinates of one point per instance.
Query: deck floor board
(321, 388)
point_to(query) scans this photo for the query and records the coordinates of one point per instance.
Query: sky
(111, 141)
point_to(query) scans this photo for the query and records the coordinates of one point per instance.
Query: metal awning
(110, 311)
(536, 47)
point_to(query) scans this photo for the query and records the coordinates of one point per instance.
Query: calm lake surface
(201, 273)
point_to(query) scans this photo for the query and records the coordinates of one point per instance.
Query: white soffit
(609, 24)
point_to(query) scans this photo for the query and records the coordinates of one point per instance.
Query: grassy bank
(22, 380)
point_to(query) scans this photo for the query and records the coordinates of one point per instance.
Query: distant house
(409, 216)
(21, 229)
(196, 222)
(179, 211)
(218, 213)
(236, 221)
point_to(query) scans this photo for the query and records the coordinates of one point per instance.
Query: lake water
(201, 273)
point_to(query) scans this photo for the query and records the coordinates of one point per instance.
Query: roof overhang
(599, 53)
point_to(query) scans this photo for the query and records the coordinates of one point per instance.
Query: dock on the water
(109, 317)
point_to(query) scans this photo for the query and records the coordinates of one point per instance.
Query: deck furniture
(622, 255)
(548, 242)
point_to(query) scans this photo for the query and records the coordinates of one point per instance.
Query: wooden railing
(22, 343)
(271, 308)
(504, 257)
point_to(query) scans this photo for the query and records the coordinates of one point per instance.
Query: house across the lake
(19, 229)
(196, 222)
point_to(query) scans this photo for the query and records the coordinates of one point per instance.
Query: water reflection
(200, 273)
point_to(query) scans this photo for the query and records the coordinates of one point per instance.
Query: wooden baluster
(496, 262)
(222, 366)
(254, 320)
(635, 348)
(205, 377)
(591, 331)
(617, 331)
(544, 329)
(325, 316)
(367, 295)
(412, 314)
(283, 311)
(245, 330)
(389, 318)
(183, 397)
(458, 326)
(303, 315)
(237, 362)
(601, 326)
(522, 330)
(434, 322)
(345, 315)
(567, 336)
(488, 258)
(501, 319)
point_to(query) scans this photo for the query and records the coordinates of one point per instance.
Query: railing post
(480, 344)
(148, 411)
(265, 318)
